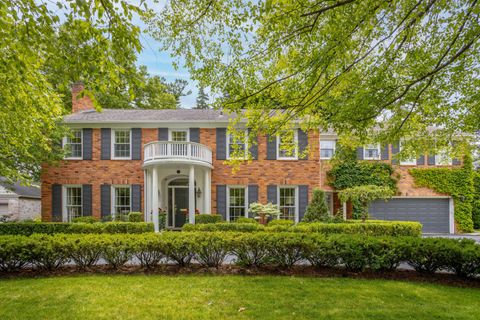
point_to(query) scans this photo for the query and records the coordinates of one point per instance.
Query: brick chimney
(80, 103)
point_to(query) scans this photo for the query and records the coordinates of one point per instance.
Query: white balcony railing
(168, 150)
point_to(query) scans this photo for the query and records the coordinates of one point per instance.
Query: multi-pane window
(236, 145)
(327, 149)
(443, 158)
(73, 202)
(179, 135)
(121, 200)
(409, 161)
(121, 144)
(287, 203)
(236, 203)
(73, 144)
(371, 152)
(287, 145)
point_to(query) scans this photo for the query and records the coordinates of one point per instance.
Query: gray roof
(165, 115)
(21, 191)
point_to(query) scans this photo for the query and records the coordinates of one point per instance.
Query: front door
(180, 201)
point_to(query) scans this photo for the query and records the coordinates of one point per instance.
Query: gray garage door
(433, 214)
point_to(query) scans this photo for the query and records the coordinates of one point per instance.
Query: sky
(160, 62)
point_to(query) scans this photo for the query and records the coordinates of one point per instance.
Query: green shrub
(211, 248)
(15, 252)
(224, 226)
(246, 220)
(148, 250)
(205, 218)
(281, 222)
(80, 227)
(85, 251)
(135, 217)
(178, 247)
(86, 219)
(162, 221)
(321, 251)
(427, 255)
(285, 249)
(49, 253)
(117, 250)
(317, 209)
(250, 249)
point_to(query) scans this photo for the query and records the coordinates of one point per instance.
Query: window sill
(73, 158)
(121, 159)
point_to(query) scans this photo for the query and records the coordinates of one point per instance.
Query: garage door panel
(432, 213)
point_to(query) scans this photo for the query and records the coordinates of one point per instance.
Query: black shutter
(360, 153)
(272, 194)
(302, 144)
(106, 148)
(57, 203)
(105, 200)
(87, 144)
(136, 198)
(271, 148)
(431, 160)
(221, 143)
(253, 148)
(302, 201)
(87, 200)
(252, 196)
(421, 160)
(384, 152)
(136, 144)
(395, 150)
(222, 201)
(195, 135)
(162, 134)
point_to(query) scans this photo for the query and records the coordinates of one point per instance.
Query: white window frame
(65, 217)
(438, 159)
(407, 162)
(171, 130)
(228, 199)
(245, 156)
(113, 145)
(295, 187)
(113, 198)
(334, 148)
(295, 141)
(65, 142)
(372, 158)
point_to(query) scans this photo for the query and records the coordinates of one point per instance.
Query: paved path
(473, 236)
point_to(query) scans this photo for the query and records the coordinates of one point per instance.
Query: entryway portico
(177, 181)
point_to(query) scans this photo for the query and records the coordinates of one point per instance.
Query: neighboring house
(174, 160)
(19, 202)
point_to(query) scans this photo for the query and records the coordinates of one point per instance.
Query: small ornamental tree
(317, 210)
(365, 195)
(263, 211)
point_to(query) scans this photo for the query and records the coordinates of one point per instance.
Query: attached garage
(435, 213)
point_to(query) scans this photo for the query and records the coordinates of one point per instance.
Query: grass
(221, 297)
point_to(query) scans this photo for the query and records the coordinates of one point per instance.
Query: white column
(206, 192)
(155, 199)
(148, 196)
(191, 195)
(344, 211)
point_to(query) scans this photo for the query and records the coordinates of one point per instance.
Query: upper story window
(407, 162)
(237, 203)
(121, 200)
(287, 203)
(179, 135)
(237, 145)
(443, 158)
(287, 145)
(371, 152)
(73, 145)
(327, 149)
(73, 202)
(121, 144)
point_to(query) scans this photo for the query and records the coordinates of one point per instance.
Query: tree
(202, 99)
(399, 66)
(263, 211)
(32, 44)
(365, 195)
(178, 89)
(317, 210)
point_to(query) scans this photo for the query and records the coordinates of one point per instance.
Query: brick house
(174, 160)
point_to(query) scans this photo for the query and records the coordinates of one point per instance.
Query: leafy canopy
(399, 66)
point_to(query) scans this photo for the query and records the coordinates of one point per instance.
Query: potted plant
(264, 211)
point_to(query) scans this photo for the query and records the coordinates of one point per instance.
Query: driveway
(473, 236)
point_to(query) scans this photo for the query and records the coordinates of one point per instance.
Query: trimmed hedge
(384, 228)
(352, 252)
(60, 227)
(208, 218)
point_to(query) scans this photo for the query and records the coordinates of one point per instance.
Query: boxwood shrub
(210, 249)
(30, 228)
(207, 218)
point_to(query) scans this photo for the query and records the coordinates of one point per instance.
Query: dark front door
(180, 206)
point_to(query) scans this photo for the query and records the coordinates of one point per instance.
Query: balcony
(177, 152)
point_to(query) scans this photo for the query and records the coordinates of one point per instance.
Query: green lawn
(221, 297)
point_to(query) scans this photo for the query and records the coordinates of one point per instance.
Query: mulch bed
(306, 271)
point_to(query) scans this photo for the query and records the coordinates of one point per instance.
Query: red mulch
(305, 271)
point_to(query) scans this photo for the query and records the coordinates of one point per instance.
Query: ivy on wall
(476, 201)
(457, 182)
